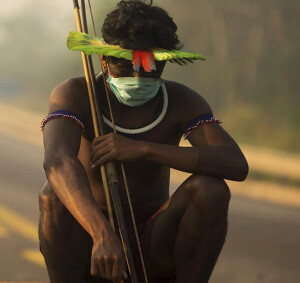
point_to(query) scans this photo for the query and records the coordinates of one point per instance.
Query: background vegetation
(250, 78)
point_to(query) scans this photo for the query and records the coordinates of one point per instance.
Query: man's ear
(104, 65)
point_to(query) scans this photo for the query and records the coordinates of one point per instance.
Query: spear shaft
(94, 114)
(108, 171)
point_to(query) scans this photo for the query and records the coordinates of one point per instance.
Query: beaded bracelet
(62, 114)
(198, 122)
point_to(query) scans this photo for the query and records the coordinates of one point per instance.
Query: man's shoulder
(70, 95)
(186, 101)
(72, 87)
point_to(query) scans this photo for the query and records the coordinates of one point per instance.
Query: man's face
(123, 68)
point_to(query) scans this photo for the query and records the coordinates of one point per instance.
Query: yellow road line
(23, 227)
(3, 231)
(34, 256)
(19, 224)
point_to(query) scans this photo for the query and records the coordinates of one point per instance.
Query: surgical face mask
(134, 91)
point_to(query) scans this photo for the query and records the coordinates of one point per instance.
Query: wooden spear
(108, 172)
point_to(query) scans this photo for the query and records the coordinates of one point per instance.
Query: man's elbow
(50, 164)
(56, 163)
(242, 169)
(59, 162)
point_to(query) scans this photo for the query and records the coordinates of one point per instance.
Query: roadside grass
(273, 178)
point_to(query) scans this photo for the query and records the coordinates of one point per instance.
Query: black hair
(134, 24)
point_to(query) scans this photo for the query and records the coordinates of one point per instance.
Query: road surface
(262, 243)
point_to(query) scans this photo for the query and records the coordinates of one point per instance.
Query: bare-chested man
(181, 235)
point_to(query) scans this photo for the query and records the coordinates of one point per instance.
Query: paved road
(262, 243)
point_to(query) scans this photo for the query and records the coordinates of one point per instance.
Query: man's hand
(115, 147)
(108, 260)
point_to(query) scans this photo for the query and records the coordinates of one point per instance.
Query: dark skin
(72, 165)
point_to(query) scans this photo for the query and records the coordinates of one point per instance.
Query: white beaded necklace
(148, 127)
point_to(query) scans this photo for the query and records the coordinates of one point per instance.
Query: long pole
(110, 170)
(94, 115)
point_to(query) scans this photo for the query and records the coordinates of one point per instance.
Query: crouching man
(181, 235)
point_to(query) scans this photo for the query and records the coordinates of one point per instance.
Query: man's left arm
(213, 153)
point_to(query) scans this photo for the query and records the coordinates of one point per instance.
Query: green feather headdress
(90, 44)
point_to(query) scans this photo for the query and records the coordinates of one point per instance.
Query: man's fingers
(102, 138)
(108, 268)
(98, 154)
(98, 147)
(105, 158)
(99, 139)
(101, 268)
(118, 272)
(94, 268)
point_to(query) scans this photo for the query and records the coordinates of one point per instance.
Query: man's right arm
(67, 176)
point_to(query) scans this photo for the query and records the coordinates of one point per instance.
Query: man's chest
(167, 130)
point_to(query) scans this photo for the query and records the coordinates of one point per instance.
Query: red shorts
(145, 217)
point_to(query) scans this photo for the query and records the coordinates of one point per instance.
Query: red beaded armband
(62, 114)
(198, 122)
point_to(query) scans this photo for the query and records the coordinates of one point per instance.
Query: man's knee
(207, 192)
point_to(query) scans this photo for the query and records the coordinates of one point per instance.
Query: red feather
(136, 60)
(144, 58)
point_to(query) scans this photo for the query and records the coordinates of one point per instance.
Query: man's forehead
(119, 62)
(120, 66)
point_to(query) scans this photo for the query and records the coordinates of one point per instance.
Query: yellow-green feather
(90, 44)
(162, 55)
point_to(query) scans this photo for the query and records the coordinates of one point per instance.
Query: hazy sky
(13, 10)
(15, 7)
